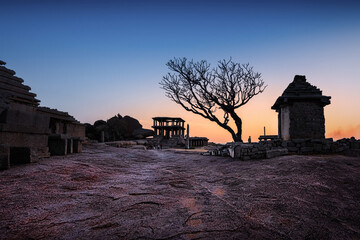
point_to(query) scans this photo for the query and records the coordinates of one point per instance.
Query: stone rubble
(278, 147)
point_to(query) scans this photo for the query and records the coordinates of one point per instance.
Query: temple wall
(23, 118)
(307, 121)
(285, 122)
(76, 130)
(23, 139)
(27, 130)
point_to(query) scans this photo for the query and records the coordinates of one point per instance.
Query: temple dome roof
(13, 89)
(300, 90)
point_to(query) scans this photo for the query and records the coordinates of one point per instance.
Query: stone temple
(301, 111)
(29, 132)
(170, 132)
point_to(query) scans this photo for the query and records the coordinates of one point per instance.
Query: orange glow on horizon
(341, 121)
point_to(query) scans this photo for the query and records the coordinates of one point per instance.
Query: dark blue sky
(110, 55)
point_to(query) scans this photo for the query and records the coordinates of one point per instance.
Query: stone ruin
(301, 111)
(301, 128)
(170, 132)
(29, 132)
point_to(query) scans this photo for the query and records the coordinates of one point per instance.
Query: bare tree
(204, 90)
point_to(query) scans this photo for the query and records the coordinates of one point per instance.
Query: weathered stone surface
(119, 193)
(293, 149)
(122, 144)
(304, 150)
(4, 157)
(142, 147)
(276, 152)
(317, 147)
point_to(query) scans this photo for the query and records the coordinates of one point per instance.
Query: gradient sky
(95, 59)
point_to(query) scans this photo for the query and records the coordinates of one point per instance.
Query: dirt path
(112, 193)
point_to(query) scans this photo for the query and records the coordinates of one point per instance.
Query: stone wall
(307, 120)
(314, 146)
(278, 147)
(260, 150)
(26, 129)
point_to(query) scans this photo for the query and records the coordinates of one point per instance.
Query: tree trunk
(238, 123)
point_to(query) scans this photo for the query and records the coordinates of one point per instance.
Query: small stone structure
(167, 127)
(198, 141)
(301, 111)
(169, 131)
(26, 129)
(66, 133)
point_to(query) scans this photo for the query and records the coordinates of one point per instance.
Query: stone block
(318, 147)
(276, 152)
(326, 147)
(77, 146)
(261, 148)
(296, 141)
(19, 155)
(4, 157)
(57, 146)
(327, 141)
(306, 150)
(142, 147)
(290, 144)
(69, 146)
(293, 149)
(237, 152)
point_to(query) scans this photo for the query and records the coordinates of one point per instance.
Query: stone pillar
(188, 137)
(69, 146)
(4, 157)
(279, 124)
(57, 146)
(77, 147)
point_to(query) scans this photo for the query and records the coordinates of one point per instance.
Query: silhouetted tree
(203, 90)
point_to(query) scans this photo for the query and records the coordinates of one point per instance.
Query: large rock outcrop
(117, 128)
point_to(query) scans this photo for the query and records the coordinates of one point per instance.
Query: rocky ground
(114, 193)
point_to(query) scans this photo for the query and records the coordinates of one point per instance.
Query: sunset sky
(95, 59)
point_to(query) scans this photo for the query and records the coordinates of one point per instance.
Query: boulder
(141, 133)
(117, 128)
